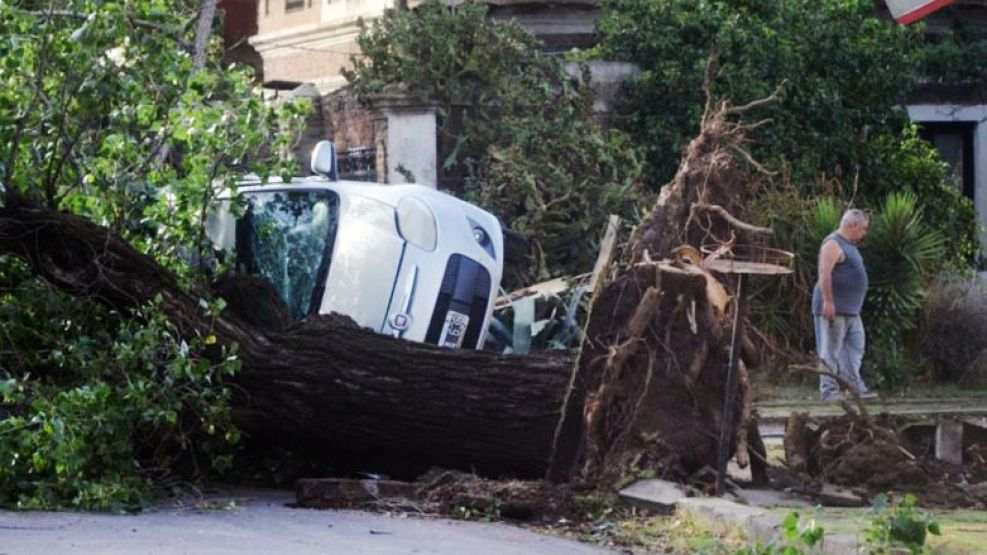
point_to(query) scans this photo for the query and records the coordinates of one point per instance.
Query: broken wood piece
(732, 219)
(605, 257)
(643, 316)
(758, 454)
(645, 313)
(746, 406)
(731, 266)
(906, 452)
(691, 261)
(572, 412)
(550, 288)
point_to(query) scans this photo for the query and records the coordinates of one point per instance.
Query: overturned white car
(404, 260)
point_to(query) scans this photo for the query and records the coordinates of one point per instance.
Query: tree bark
(343, 395)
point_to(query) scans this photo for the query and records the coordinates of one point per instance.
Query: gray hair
(854, 217)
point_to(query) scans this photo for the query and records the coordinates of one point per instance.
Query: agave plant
(901, 254)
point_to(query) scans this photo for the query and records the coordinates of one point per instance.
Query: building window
(954, 141)
(294, 5)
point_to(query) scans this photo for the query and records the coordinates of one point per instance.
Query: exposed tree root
(651, 378)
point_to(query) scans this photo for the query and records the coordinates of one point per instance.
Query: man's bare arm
(829, 255)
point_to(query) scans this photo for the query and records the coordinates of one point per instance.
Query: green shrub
(904, 162)
(96, 407)
(843, 70)
(513, 121)
(899, 524)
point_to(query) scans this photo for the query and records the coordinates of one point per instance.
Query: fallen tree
(334, 391)
(645, 392)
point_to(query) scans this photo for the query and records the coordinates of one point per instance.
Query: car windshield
(286, 237)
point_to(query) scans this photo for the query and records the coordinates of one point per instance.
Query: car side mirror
(324, 160)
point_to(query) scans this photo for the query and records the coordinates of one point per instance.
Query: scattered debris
(543, 290)
(340, 493)
(468, 496)
(835, 496)
(883, 454)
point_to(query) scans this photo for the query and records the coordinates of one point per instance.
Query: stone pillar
(314, 126)
(607, 83)
(405, 136)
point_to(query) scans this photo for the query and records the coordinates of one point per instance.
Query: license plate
(454, 330)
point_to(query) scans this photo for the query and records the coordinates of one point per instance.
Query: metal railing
(358, 164)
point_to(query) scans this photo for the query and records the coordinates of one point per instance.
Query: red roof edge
(913, 16)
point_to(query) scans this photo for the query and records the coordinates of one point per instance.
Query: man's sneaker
(832, 397)
(868, 395)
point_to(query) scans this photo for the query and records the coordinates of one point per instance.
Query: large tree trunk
(345, 395)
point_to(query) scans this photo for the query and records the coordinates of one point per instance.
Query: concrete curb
(760, 524)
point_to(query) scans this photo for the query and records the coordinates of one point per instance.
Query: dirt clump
(883, 454)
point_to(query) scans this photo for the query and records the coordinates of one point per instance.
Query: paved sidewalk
(260, 523)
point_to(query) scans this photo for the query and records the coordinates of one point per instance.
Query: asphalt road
(261, 523)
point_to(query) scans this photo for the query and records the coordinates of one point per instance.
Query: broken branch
(732, 219)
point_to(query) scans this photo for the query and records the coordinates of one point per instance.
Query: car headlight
(482, 236)
(416, 223)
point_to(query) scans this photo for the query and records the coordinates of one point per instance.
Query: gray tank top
(849, 280)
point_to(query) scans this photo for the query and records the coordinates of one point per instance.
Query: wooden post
(726, 419)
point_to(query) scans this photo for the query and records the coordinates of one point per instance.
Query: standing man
(836, 302)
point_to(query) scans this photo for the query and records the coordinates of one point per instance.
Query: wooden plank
(539, 290)
(607, 247)
(728, 266)
(564, 450)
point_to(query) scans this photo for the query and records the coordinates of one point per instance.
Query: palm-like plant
(901, 254)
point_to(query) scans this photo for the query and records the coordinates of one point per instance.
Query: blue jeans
(840, 345)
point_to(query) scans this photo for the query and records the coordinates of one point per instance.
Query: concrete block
(769, 498)
(759, 524)
(659, 496)
(724, 514)
(949, 442)
(835, 496)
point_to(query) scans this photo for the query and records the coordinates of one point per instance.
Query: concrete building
(953, 116)
(300, 47)
(311, 41)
